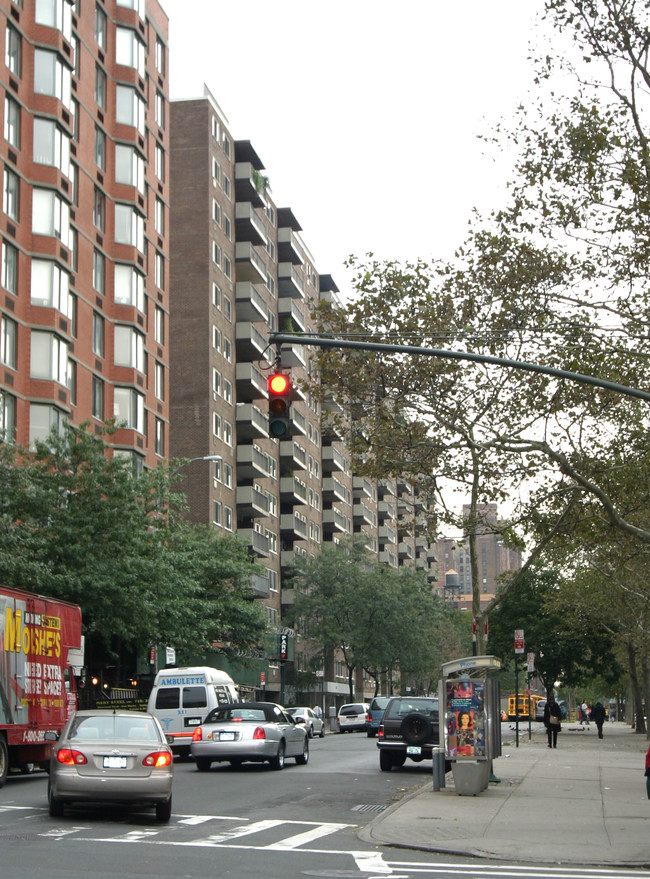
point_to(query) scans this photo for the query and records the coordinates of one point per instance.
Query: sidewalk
(583, 803)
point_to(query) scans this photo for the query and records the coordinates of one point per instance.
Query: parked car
(249, 731)
(375, 714)
(408, 729)
(111, 757)
(539, 709)
(314, 725)
(352, 717)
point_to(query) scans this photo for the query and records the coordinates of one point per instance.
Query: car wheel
(322, 731)
(203, 764)
(277, 762)
(164, 811)
(302, 759)
(55, 805)
(310, 731)
(415, 729)
(385, 761)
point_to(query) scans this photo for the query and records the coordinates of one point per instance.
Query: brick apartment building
(85, 221)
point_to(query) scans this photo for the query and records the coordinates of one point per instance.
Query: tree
(76, 524)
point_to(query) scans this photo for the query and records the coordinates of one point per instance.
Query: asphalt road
(247, 822)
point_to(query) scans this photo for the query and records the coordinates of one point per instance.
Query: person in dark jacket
(647, 772)
(598, 717)
(552, 720)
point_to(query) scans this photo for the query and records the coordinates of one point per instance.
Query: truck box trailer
(40, 651)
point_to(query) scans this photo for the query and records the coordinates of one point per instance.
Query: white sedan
(249, 731)
(314, 725)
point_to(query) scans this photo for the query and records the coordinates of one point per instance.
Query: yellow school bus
(527, 706)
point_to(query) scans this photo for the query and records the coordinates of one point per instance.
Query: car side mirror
(169, 740)
(298, 720)
(51, 736)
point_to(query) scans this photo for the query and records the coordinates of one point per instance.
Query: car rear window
(353, 709)
(401, 707)
(194, 697)
(380, 703)
(109, 728)
(167, 697)
(238, 715)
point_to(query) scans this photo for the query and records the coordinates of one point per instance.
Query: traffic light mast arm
(328, 342)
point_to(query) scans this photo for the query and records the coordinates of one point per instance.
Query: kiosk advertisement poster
(465, 719)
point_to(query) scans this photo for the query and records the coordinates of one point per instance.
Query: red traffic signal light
(279, 387)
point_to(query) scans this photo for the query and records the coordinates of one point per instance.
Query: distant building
(494, 559)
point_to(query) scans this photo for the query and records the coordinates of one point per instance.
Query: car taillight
(197, 735)
(158, 759)
(70, 757)
(370, 717)
(380, 733)
(259, 733)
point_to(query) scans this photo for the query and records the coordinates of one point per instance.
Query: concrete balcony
(387, 535)
(250, 382)
(251, 503)
(290, 451)
(289, 558)
(333, 490)
(293, 527)
(248, 224)
(249, 265)
(288, 309)
(246, 184)
(363, 487)
(294, 355)
(431, 553)
(333, 460)
(421, 564)
(289, 249)
(388, 558)
(251, 463)
(406, 550)
(258, 544)
(293, 489)
(334, 520)
(250, 343)
(252, 423)
(249, 302)
(386, 510)
(289, 282)
(363, 515)
(298, 421)
(260, 586)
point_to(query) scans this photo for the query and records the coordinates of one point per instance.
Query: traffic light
(284, 646)
(280, 391)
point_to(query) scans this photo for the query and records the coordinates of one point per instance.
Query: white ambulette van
(182, 697)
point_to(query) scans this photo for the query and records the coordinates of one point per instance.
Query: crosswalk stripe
(244, 830)
(307, 836)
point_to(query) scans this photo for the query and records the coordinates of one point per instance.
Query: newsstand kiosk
(470, 716)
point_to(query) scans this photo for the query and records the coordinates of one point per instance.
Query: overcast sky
(364, 112)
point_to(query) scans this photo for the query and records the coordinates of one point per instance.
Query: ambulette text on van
(182, 697)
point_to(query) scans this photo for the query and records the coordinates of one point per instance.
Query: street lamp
(191, 460)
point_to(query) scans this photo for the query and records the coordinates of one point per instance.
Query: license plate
(413, 750)
(227, 737)
(114, 762)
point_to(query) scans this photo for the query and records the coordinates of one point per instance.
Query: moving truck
(40, 652)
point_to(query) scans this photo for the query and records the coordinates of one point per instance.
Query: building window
(129, 167)
(13, 50)
(216, 172)
(216, 211)
(160, 56)
(226, 185)
(9, 267)
(216, 425)
(98, 398)
(129, 348)
(160, 381)
(227, 308)
(100, 87)
(128, 408)
(227, 267)
(129, 227)
(50, 286)
(130, 109)
(159, 216)
(159, 109)
(160, 163)
(8, 336)
(12, 122)
(159, 439)
(54, 13)
(216, 254)
(98, 334)
(100, 27)
(159, 270)
(216, 513)
(51, 76)
(42, 420)
(159, 326)
(11, 194)
(137, 5)
(216, 383)
(216, 296)
(50, 215)
(227, 391)
(227, 227)
(128, 287)
(227, 518)
(227, 350)
(129, 50)
(48, 357)
(227, 433)
(98, 271)
(7, 417)
(216, 338)
(51, 146)
(100, 148)
(226, 145)
(227, 475)
(99, 210)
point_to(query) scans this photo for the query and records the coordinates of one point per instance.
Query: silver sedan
(249, 731)
(314, 725)
(111, 757)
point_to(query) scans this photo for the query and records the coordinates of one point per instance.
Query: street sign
(319, 673)
(519, 640)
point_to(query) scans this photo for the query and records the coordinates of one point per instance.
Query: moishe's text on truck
(40, 651)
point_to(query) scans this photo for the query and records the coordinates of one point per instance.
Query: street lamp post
(191, 460)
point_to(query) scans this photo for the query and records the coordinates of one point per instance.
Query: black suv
(409, 728)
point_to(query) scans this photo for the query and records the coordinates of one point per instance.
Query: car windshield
(402, 707)
(113, 728)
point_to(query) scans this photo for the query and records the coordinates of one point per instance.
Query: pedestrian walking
(552, 721)
(598, 717)
(647, 773)
(584, 708)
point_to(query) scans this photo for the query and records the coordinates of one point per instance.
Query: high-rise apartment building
(85, 220)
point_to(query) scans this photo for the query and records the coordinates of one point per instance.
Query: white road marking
(373, 862)
(307, 836)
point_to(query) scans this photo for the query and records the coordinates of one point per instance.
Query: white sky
(364, 112)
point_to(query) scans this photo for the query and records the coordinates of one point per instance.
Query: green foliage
(77, 525)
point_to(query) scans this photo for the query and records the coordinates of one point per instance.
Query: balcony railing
(250, 303)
